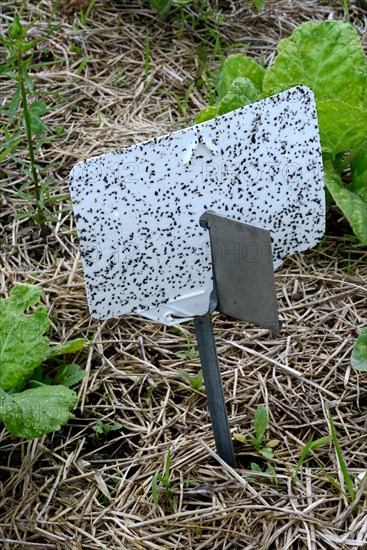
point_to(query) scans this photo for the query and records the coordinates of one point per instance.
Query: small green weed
(311, 446)
(260, 424)
(190, 353)
(83, 16)
(347, 479)
(102, 429)
(26, 111)
(164, 478)
(195, 381)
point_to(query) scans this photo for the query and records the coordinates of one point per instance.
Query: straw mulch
(74, 490)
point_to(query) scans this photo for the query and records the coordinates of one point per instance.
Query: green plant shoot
(328, 57)
(31, 403)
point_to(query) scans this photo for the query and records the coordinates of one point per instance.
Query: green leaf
(69, 375)
(155, 489)
(22, 341)
(13, 105)
(37, 411)
(15, 28)
(260, 422)
(258, 3)
(241, 92)
(239, 66)
(359, 353)
(358, 160)
(342, 126)
(358, 185)
(36, 110)
(161, 6)
(328, 57)
(351, 204)
(27, 79)
(266, 452)
(310, 446)
(358, 164)
(65, 348)
(241, 438)
(325, 440)
(206, 114)
(342, 464)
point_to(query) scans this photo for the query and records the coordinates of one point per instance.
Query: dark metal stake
(214, 388)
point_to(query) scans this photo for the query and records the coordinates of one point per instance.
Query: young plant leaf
(260, 422)
(69, 375)
(36, 411)
(239, 66)
(36, 110)
(329, 58)
(351, 204)
(310, 446)
(161, 6)
(13, 105)
(341, 461)
(64, 348)
(155, 490)
(266, 452)
(241, 92)
(22, 341)
(359, 353)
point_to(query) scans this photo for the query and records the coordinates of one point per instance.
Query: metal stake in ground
(214, 388)
(243, 288)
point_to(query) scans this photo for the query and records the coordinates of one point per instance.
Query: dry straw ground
(72, 490)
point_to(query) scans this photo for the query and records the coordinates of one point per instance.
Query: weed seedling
(260, 424)
(164, 479)
(347, 479)
(102, 429)
(196, 381)
(190, 353)
(24, 110)
(308, 449)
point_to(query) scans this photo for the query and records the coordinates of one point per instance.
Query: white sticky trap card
(137, 209)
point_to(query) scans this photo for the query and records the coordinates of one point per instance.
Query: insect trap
(197, 220)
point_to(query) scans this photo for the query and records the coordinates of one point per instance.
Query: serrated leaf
(359, 353)
(22, 340)
(37, 411)
(351, 204)
(65, 348)
(329, 58)
(69, 375)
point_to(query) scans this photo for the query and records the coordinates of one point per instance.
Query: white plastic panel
(137, 210)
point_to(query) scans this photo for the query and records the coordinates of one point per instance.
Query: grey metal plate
(243, 270)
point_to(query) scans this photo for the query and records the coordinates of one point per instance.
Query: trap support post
(211, 373)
